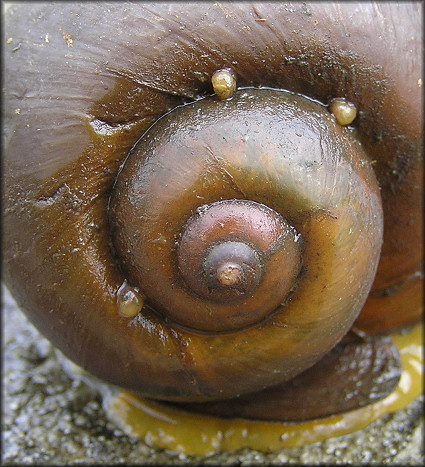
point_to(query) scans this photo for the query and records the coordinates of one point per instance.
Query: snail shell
(224, 83)
(67, 255)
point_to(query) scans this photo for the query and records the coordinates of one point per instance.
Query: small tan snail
(215, 250)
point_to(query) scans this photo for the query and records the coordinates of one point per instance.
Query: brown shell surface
(348, 377)
(79, 92)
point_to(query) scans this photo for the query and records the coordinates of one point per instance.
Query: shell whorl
(267, 181)
(63, 260)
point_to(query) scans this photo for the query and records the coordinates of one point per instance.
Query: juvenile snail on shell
(200, 215)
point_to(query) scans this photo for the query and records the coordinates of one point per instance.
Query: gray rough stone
(50, 418)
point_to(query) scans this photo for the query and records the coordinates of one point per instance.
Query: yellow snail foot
(192, 434)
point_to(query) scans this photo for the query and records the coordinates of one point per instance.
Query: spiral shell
(66, 254)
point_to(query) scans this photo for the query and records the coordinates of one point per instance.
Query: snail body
(208, 246)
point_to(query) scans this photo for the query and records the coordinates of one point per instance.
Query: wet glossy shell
(76, 105)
